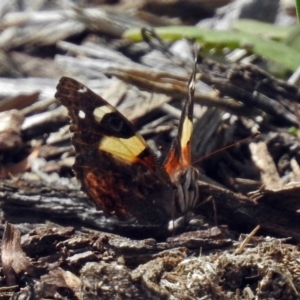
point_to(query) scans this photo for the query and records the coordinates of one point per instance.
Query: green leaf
(293, 130)
(264, 30)
(286, 58)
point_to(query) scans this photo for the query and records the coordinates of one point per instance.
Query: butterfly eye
(81, 114)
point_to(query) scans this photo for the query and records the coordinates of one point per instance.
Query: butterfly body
(117, 169)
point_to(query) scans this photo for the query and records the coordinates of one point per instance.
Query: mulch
(56, 245)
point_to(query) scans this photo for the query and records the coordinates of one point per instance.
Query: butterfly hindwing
(114, 164)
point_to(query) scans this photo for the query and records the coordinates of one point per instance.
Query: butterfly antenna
(253, 135)
(155, 42)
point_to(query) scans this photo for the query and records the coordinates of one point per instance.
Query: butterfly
(117, 169)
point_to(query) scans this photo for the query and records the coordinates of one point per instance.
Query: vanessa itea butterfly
(117, 169)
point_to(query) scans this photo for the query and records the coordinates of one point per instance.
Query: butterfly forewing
(178, 163)
(115, 166)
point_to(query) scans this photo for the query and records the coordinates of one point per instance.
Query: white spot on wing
(82, 90)
(81, 114)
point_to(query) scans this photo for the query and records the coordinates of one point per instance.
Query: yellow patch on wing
(187, 132)
(125, 149)
(101, 111)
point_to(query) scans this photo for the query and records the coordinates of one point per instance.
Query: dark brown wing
(114, 164)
